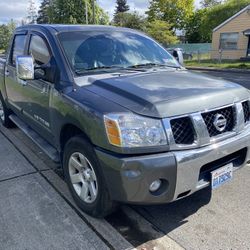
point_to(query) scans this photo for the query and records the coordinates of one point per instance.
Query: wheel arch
(68, 131)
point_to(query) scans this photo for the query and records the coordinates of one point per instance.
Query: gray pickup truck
(127, 122)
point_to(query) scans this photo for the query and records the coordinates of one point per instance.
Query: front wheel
(84, 177)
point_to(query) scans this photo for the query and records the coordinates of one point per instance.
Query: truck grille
(246, 110)
(209, 118)
(199, 129)
(182, 129)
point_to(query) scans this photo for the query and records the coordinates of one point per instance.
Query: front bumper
(128, 178)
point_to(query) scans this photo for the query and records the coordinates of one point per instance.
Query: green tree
(73, 12)
(43, 16)
(161, 31)
(121, 13)
(6, 32)
(101, 17)
(11, 26)
(32, 14)
(121, 6)
(194, 27)
(4, 36)
(175, 12)
(130, 20)
(210, 3)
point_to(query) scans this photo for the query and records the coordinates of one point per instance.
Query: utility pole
(93, 8)
(86, 12)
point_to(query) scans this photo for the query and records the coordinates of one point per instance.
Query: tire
(84, 177)
(4, 114)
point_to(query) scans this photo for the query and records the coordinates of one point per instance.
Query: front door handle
(7, 73)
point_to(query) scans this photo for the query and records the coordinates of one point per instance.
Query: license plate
(222, 175)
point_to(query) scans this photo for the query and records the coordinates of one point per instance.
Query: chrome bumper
(189, 162)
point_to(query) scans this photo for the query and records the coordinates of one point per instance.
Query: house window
(229, 40)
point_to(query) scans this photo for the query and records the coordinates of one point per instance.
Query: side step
(36, 138)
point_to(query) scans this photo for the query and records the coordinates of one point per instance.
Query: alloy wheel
(83, 177)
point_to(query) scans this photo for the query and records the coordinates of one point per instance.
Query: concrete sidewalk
(32, 214)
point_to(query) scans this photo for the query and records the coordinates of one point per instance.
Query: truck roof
(69, 27)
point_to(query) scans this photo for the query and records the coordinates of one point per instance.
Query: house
(231, 39)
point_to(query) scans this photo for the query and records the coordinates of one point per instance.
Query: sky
(17, 9)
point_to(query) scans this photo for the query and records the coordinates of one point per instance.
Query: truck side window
(39, 50)
(18, 47)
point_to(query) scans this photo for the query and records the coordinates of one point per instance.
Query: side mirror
(47, 72)
(178, 54)
(25, 67)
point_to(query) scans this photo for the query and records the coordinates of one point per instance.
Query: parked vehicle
(127, 122)
(183, 54)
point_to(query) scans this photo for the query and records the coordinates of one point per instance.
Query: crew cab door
(36, 93)
(14, 88)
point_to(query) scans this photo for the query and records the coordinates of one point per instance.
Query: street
(205, 220)
(240, 78)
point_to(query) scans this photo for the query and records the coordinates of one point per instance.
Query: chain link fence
(219, 56)
(203, 53)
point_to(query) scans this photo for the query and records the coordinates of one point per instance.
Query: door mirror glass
(25, 67)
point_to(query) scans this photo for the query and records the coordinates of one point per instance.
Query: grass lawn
(215, 64)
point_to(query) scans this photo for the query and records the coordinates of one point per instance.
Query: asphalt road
(205, 220)
(240, 78)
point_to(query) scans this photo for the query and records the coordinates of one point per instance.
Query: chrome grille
(209, 118)
(198, 129)
(246, 111)
(183, 131)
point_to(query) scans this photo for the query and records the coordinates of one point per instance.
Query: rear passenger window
(18, 47)
(39, 50)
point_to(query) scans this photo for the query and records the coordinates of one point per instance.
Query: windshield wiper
(150, 64)
(79, 71)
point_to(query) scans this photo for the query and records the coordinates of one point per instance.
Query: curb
(244, 71)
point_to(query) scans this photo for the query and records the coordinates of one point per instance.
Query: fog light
(155, 185)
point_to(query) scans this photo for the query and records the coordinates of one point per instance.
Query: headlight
(130, 130)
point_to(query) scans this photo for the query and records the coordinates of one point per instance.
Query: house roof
(232, 17)
(246, 32)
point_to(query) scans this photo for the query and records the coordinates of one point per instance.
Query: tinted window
(97, 49)
(18, 47)
(39, 50)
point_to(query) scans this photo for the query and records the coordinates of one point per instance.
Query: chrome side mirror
(25, 67)
(178, 54)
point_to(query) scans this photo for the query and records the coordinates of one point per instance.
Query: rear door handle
(7, 73)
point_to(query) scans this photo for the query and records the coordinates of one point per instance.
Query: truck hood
(165, 93)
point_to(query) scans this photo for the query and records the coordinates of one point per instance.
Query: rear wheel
(85, 179)
(4, 114)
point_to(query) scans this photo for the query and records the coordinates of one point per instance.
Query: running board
(36, 138)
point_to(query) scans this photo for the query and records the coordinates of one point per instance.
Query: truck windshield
(99, 50)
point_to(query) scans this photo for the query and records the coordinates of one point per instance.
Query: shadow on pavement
(173, 215)
(164, 218)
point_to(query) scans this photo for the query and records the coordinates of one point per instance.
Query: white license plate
(222, 175)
